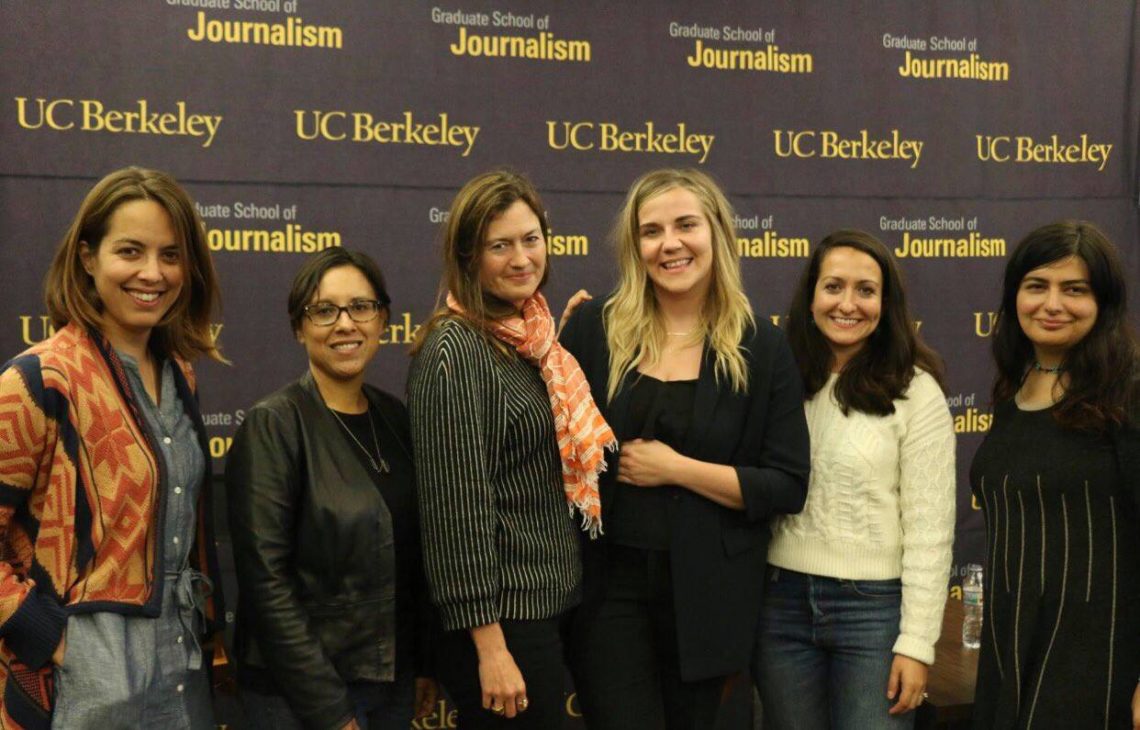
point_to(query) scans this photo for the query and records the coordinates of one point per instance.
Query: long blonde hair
(634, 330)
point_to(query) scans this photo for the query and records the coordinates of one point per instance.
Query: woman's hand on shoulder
(647, 463)
(907, 684)
(572, 305)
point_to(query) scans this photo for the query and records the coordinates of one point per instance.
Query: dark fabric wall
(299, 124)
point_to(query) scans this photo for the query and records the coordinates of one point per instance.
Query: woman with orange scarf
(508, 445)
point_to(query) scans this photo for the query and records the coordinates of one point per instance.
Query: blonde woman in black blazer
(708, 405)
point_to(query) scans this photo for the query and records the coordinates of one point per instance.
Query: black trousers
(536, 647)
(624, 652)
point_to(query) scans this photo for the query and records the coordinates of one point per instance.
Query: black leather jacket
(314, 551)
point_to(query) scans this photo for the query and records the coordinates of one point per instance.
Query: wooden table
(955, 671)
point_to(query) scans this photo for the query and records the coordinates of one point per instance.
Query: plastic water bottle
(972, 603)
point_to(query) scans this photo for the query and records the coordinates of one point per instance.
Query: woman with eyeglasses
(332, 630)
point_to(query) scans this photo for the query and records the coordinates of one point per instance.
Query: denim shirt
(173, 433)
(134, 671)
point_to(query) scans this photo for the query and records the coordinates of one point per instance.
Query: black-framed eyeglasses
(323, 314)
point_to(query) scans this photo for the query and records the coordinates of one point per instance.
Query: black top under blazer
(717, 554)
(314, 551)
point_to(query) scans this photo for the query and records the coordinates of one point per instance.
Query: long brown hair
(476, 204)
(882, 369)
(1103, 368)
(69, 291)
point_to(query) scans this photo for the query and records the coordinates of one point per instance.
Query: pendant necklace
(381, 467)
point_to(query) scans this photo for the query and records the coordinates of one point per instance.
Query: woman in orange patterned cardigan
(105, 536)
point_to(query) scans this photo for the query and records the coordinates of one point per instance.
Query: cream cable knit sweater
(880, 504)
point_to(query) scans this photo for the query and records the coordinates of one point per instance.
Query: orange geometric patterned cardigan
(80, 495)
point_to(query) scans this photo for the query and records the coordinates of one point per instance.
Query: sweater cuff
(34, 631)
(468, 614)
(915, 648)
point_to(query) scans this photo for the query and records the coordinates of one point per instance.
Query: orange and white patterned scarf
(583, 435)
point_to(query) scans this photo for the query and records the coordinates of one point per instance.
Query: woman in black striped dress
(507, 447)
(1057, 478)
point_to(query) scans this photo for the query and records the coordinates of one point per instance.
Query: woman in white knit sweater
(856, 583)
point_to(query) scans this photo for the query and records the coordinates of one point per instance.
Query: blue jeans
(824, 652)
(378, 706)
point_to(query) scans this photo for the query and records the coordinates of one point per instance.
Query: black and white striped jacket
(498, 538)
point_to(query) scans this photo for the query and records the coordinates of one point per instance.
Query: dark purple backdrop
(986, 166)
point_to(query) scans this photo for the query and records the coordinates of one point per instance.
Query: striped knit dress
(498, 538)
(1061, 637)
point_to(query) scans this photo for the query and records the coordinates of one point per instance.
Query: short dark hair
(882, 370)
(1102, 368)
(309, 277)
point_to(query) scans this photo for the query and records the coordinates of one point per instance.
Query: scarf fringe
(591, 523)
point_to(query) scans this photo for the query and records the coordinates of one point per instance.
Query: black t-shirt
(397, 488)
(658, 410)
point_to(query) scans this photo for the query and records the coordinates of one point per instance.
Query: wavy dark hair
(881, 371)
(1102, 369)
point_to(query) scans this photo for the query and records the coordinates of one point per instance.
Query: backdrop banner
(947, 130)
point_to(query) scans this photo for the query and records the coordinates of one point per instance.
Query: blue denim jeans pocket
(890, 590)
(825, 652)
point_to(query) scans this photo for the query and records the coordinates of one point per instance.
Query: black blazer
(314, 552)
(717, 554)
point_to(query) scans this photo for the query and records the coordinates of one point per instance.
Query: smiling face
(341, 351)
(675, 242)
(848, 301)
(137, 269)
(1056, 308)
(514, 255)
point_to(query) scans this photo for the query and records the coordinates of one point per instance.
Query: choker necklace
(1042, 369)
(381, 467)
(680, 334)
